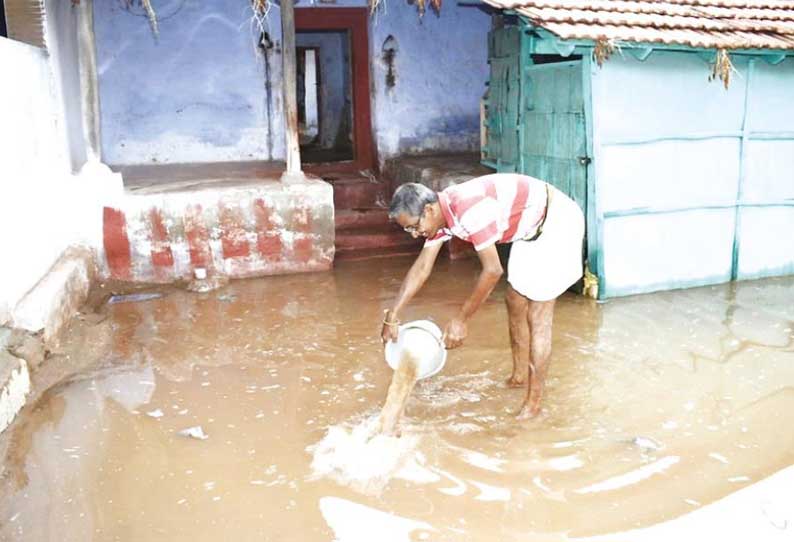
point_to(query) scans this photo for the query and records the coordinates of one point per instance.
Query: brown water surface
(655, 405)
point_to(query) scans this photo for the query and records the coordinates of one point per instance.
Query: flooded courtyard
(233, 415)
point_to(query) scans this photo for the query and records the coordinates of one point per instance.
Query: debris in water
(201, 286)
(227, 298)
(646, 443)
(133, 298)
(155, 413)
(195, 432)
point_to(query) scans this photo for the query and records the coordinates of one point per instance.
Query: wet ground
(204, 416)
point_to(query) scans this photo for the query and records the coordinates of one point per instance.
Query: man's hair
(411, 198)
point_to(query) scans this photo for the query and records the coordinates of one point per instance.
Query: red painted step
(352, 218)
(375, 240)
(358, 192)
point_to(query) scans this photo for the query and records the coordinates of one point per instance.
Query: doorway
(325, 96)
(333, 86)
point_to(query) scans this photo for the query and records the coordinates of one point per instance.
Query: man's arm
(413, 282)
(491, 272)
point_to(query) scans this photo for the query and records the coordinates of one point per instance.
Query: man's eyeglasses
(415, 227)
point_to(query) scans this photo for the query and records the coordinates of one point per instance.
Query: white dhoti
(544, 268)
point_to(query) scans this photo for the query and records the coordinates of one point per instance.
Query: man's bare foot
(516, 381)
(528, 411)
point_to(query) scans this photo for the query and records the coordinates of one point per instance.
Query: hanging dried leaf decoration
(603, 50)
(147, 6)
(150, 13)
(421, 6)
(722, 68)
(260, 6)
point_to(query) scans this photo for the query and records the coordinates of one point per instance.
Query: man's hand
(390, 328)
(455, 333)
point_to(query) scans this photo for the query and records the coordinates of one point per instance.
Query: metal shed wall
(693, 182)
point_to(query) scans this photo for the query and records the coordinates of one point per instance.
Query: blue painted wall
(198, 93)
(195, 94)
(442, 70)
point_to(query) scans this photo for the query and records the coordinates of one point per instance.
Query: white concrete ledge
(14, 387)
(56, 298)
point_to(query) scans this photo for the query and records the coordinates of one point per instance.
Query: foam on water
(366, 456)
(354, 458)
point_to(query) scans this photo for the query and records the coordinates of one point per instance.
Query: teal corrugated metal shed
(684, 182)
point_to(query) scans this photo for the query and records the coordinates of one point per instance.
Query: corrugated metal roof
(725, 24)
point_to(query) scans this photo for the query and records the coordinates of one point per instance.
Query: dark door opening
(325, 96)
(3, 29)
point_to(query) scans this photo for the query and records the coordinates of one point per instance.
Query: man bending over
(546, 229)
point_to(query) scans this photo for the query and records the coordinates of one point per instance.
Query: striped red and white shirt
(497, 208)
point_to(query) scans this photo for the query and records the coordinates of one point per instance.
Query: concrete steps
(367, 233)
(361, 220)
(374, 240)
(358, 192)
(352, 218)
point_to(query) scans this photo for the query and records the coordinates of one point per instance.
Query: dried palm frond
(259, 6)
(260, 9)
(722, 68)
(603, 50)
(147, 6)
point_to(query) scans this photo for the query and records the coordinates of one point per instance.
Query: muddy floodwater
(237, 415)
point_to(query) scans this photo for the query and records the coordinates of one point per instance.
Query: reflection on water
(656, 405)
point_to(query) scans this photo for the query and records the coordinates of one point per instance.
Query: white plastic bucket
(423, 339)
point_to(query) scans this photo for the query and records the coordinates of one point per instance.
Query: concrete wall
(675, 156)
(335, 89)
(44, 208)
(33, 217)
(198, 92)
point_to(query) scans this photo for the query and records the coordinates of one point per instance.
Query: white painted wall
(43, 207)
(641, 110)
(61, 37)
(34, 166)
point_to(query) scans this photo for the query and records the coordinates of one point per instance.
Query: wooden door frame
(356, 22)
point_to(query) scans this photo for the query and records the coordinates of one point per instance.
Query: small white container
(423, 339)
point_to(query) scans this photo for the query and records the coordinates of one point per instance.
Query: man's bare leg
(517, 313)
(540, 317)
